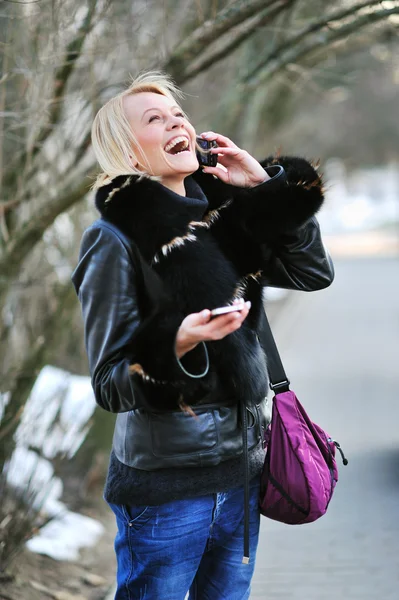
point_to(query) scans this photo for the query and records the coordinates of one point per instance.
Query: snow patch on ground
(55, 421)
(62, 538)
(57, 413)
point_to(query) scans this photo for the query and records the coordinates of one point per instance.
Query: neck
(176, 185)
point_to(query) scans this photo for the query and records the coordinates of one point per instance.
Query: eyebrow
(160, 109)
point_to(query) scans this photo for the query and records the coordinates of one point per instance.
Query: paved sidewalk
(380, 242)
(341, 350)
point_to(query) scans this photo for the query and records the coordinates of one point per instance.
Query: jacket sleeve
(298, 260)
(292, 195)
(125, 351)
(281, 217)
(277, 218)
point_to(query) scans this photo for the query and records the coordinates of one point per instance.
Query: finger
(229, 156)
(218, 171)
(221, 140)
(198, 319)
(214, 329)
(243, 306)
(225, 151)
(228, 327)
(226, 324)
(219, 321)
(205, 328)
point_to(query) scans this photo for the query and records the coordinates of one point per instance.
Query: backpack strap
(149, 281)
(279, 381)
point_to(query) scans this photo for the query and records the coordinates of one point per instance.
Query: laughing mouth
(177, 145)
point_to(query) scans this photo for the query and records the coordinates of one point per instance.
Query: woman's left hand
(240, 168)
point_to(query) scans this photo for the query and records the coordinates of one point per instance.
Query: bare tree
(60, 61)
(319, 34)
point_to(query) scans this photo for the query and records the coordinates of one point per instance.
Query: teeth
(175, 141)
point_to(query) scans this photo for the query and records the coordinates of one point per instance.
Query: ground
(67, 578)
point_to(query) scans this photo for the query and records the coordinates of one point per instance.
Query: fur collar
(139, 206)
(158, 221)
(143, 207)
(214, 265)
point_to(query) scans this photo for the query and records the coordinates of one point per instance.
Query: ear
(134, 162)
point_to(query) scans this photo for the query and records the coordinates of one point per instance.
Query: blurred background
(291, 76)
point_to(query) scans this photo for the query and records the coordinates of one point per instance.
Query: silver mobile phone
(223, 310)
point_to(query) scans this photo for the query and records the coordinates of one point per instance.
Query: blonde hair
(111, 134)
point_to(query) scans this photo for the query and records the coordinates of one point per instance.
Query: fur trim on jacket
(203, 251)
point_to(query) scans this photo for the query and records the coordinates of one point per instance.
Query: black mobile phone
(205, 158)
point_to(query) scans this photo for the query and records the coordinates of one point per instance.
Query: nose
(175, 121)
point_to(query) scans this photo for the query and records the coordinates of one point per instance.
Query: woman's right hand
(199, 327)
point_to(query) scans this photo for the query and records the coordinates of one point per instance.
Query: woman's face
(166, 137)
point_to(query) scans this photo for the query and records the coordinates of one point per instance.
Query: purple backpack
(300, 470)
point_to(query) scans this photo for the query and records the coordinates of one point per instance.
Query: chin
(192, 165)
(184, 165)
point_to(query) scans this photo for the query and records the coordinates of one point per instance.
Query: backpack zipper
(338, 447)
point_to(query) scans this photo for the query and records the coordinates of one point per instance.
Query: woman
(173, 243)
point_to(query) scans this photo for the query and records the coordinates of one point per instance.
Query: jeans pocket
(131, 515)
(136, 516)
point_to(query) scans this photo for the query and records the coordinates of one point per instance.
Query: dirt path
(38, 577)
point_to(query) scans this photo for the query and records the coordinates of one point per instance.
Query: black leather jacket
(106, 280)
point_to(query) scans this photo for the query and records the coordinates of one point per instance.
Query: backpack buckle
(284, 385)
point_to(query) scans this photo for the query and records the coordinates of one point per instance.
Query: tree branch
(210, 31)
(31, 232)
(271, 66)
(20, 378)
(232, 43)
(61, 77)
(312, 28)
(5, 206)
(64, 72)
(46, 165)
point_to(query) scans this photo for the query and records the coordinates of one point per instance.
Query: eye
(153, 118)
(180, 114)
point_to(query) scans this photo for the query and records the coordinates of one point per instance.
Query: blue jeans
(193, 545)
